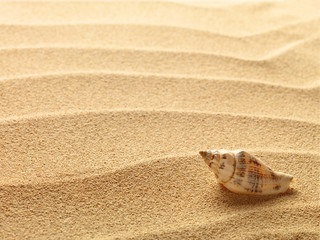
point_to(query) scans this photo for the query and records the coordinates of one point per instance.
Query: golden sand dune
(168, 197)
(17, 62)
(236, 19)
(255, 46)
(105, 105)
(55, 93)
(70, 143)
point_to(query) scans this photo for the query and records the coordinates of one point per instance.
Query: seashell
(240, 172)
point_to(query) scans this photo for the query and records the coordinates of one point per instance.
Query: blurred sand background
(105, 105)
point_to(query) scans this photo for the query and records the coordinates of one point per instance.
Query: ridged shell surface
(241, 172)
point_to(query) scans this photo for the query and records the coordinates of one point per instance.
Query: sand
(104, 107)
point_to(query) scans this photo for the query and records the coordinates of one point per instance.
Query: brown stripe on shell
(222, 166)
(241, 168)
(237, 181)
(254, 178)
(277, 187)
(273, 176)
(254, 161)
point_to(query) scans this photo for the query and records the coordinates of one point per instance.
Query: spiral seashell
(240, 172)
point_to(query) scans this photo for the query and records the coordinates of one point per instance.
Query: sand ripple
(73, 59)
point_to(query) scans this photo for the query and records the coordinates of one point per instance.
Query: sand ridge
(156, 37)
(105, 105)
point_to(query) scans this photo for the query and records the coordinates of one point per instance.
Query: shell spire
(240, 172)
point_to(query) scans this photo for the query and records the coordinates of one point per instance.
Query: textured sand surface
(105, 105)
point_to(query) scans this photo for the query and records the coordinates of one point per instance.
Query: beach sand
(104, 107)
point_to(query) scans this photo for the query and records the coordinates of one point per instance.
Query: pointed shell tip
(203, 153)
